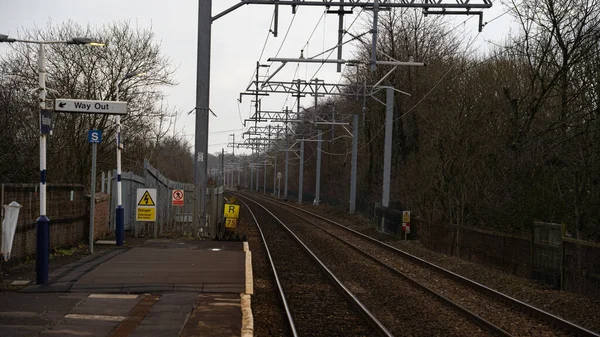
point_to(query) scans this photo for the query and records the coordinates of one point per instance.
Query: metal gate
(169, 219)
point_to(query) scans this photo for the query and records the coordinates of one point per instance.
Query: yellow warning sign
(146, 200)
(406, 216)
(146, 214)
(231, 211)
(230, 223)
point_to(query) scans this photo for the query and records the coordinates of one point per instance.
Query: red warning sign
(177, 198)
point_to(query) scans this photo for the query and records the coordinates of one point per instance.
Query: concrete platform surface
(161, 288)
(166, 268)
(79, 314)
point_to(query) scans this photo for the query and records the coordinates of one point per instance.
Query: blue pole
(42, 252)
(120, 226)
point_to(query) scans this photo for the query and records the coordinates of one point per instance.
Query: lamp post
(42, 257)
(120, 212)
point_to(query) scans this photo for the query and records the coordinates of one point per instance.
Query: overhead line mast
(205, 19)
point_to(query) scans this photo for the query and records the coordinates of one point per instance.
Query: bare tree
(85, 72)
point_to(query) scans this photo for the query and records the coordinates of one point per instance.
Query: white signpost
(88, 106)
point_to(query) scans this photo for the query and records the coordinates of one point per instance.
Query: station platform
(159, 288)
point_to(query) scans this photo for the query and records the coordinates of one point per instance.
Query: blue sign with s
(94, 136)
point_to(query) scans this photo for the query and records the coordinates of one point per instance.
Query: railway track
(315, 302)
(402, 311)
(493, 311)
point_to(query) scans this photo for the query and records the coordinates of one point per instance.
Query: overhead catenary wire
(412, 108)
(332, 50)
(303, 48)
(407, 112)
(263, 47)
(425, 96)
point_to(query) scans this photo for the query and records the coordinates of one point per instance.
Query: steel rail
(279, 287)
(473, 317)
(379, 327)
(541, 314)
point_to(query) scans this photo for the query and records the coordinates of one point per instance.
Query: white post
(109, 182)
(42, 96)
(43, 223)
(120, 212)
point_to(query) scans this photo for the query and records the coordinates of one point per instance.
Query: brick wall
(66, 210)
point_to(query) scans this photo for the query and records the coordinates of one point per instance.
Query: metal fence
(547, 255)
(581, 267)
(170, 220)
(66, 209)
(542, 254)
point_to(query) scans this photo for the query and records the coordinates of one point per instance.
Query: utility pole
(202, 108)
(354, 164)
(318, 179)
(265, 179)
(301, 172)
(287, 155)
(232, 144)
(275, 173)
(387, 150)
(222, 166)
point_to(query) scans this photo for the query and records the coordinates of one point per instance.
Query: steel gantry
(343, 7)
(316, 88)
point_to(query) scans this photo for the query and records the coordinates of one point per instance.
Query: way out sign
(146, 204)
(91, 107)
(177, 198)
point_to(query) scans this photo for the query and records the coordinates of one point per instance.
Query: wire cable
(344, 34)
(424, 97)
(407, 112)
(263, 48)
(286, 35)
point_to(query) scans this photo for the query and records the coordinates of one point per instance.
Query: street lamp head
(85, 40)
(5, 38)
(134, 74)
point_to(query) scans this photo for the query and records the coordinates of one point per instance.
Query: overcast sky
(237, 41)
